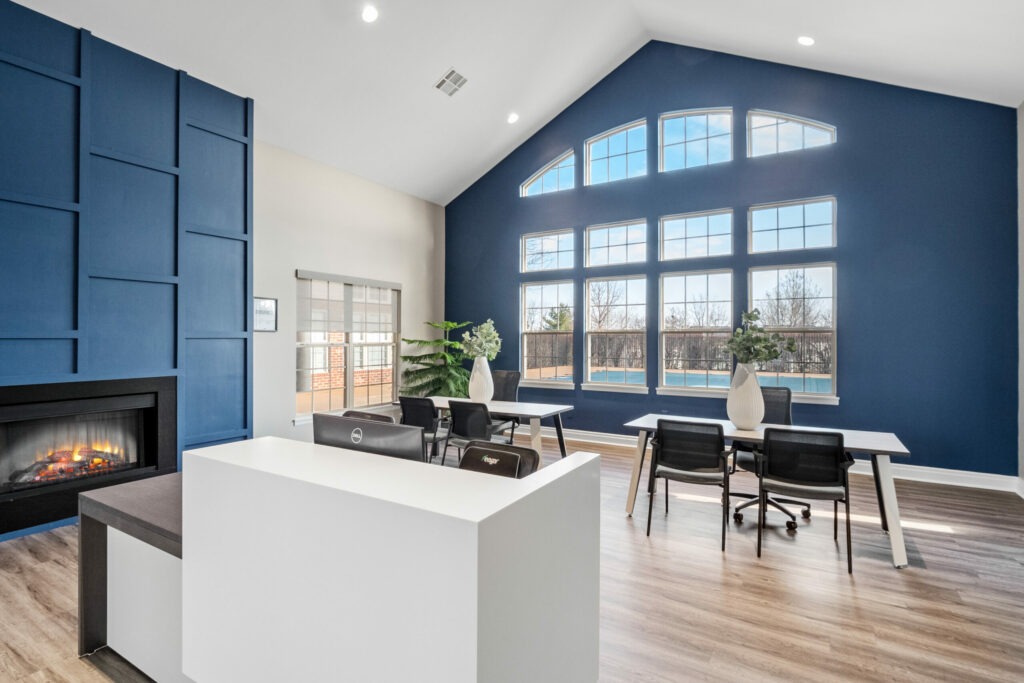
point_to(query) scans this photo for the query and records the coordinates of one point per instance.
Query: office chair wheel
(737, 517)
(791, 525)
(806, 514)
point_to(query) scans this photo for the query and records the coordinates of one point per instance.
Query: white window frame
(794, 202)
(552, 164)
(523, 332)
(664, 389)
(820, 125)
(350, 343)
(589, 142)
(542, 234)
(586, 384)
(616, 224)
(682, 113)
(696, 214)
(805, 397)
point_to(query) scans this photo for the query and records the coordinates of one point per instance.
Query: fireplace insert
(59, 439)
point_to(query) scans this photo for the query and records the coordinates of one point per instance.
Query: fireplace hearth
(57, 440)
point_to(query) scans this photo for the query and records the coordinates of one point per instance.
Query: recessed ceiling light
(513, 117)
(806, 41)
(370, 14)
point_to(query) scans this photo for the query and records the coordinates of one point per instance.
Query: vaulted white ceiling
(360, 96)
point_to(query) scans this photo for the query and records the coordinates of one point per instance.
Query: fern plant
(437, 370)
(751, 344)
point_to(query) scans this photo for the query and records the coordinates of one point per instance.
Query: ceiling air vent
(451, 82)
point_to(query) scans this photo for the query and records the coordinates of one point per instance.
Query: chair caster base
(737, 517)
(806, 514)
(791, 525)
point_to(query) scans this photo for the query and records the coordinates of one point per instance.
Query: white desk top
(518, 408)
(472, 496)
(878, 443)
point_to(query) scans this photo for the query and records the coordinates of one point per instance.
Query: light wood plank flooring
(675, 608)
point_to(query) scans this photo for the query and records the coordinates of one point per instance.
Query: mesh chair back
(470, 420)
(365, 415)
(528, 459)
(778, 405)
(418, 412)
(689, 445)
(810, 458)
(506, 385)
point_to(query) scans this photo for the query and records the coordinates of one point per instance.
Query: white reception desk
(311, 563)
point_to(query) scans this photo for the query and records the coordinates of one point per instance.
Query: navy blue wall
(125, 223)
(926, 255)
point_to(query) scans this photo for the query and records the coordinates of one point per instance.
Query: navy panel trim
(133, 276)
(249, 166)
(84, 128)
(14, 334)
(134, 160)
(44, 202)
(215, 232)
(215, 130)
(199, 439)
(216, 334)
(35, 68)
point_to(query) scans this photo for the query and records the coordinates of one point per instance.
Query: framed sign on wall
(264, 317)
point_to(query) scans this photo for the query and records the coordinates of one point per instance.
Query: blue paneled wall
(926, 250)
(125, 223)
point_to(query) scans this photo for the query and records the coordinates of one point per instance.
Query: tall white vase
(481, 385)
(745, 404)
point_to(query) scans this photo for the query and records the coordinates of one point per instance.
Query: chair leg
(835, 520)
(444, 453)
(725, 507)
(650, 511)
(760, 520)
(849, 542)
(666, 496)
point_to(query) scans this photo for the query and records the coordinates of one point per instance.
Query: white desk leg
(535, 442)
(638, 463)
(887, 489)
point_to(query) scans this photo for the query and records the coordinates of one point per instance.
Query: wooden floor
(675, 608)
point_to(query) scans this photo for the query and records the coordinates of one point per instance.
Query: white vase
(745, 404)
(481, 386)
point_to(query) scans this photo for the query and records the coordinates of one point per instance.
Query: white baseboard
(932, 475)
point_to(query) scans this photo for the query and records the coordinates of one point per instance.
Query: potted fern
(482, 345)
(751, 344)
(436, 368)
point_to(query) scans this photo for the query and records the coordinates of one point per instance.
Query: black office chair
(370, 436)
(500, 459)
(420, 412)
(470, 422)
(778, 410)
(366, 415)
(809, 465)
(506, 388)
(690, 452)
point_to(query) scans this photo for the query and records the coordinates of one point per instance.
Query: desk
(534, 412)
(879, 445)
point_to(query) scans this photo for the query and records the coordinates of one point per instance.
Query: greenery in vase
(751, 344)
(483, 341)
(437, 371)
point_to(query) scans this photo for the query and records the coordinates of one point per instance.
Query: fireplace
(59, 439)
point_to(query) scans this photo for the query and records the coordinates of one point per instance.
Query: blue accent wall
(125, 223)
(926, 243)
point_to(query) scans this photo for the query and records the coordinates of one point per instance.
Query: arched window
(560, 174)
(617, 154)
(773, 133)
(695, 137)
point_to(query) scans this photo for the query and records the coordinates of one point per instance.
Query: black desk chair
(778, 410)
(370, 436)
(366, 415)
(500, 459)
(420, 412)
(690, 452)
(506, 388)
(470, 422)
(809, 465)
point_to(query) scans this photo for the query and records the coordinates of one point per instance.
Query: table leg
(558, 431)
(535, 442)
(92, 585)
(878, 494)
(890, 508)
(638, 463)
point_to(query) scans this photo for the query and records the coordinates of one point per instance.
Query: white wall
(310, 216)
(1020, 298)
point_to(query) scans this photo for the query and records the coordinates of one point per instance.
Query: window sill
(541, 384)
(812, 399)
(615, 388)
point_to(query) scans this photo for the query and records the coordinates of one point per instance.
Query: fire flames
(78, 460)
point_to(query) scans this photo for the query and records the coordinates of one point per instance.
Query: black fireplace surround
(55, 441)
